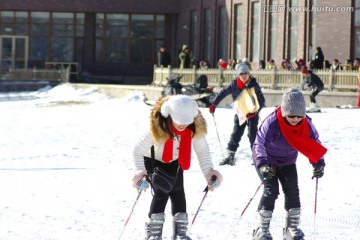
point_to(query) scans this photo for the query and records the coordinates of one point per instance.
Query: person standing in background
(319, 59)
(164, 58)
(186, 57)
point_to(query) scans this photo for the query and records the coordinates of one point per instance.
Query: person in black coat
(319, 59)
(164, 58)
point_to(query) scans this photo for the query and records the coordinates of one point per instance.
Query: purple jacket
(270, 146)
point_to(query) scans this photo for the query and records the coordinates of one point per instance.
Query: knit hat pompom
(293, 103)
(181, 108)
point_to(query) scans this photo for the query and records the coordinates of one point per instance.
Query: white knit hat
(293, 103)
(242, 67)
(181, 108)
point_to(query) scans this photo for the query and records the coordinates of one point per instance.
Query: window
(142, 33)
(39, 36)
(293, 44)
(255, 24)
(273, 31)
(238, 30)
(193, 32)
(160, 31)
(128, 37)
(112, 32)
(357, 29)
(222, 33)
(207, 35)
(56, 36)
(62, 42)
(13, 23)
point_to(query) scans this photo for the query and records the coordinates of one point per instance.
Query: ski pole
(247, 205)
(132, 210)
(206, 190)
(315, 205)
(217, 132)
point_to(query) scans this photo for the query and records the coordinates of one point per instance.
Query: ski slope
(66, 170)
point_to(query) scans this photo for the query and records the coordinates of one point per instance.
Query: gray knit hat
(242, 68)
(293, 103)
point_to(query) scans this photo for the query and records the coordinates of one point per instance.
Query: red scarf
(240, 83)
(299, 138)
(184, 148)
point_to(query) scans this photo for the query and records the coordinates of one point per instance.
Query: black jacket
(312, 80)
(235, 91)
(164, 59)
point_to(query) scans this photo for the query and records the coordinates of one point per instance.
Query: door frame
(13, 50)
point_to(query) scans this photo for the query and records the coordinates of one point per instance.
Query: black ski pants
(314, 93)
(238, 132)
(177, 194)
(288, 178)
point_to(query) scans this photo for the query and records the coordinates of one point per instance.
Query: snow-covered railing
(270, 79)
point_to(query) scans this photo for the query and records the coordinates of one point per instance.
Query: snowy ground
(66, 169)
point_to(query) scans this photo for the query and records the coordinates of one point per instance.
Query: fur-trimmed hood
(160, 136)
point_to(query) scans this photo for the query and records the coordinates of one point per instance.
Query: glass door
(13, 52)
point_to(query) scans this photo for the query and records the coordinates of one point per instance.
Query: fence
(271, 79)
(34, 74)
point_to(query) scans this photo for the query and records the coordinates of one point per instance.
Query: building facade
(120, 39)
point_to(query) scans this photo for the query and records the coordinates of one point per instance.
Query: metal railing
(270, 79)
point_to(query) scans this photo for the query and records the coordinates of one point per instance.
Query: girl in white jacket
(176, 124)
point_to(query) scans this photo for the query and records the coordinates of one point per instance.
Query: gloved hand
(267, 171)
(304, 85)
(212, 108)
(251, 115)
(139, 180)
(318, 171)
(214, 179)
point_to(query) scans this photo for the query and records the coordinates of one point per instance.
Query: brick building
(121, 38)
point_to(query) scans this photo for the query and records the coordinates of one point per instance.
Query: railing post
(34, 74)
(169, 74)
(154, 76)
(331, 79)
(221, 77)
(161, 74)
(194, 74)
(273, 79)
(168, 70)
(67, 74)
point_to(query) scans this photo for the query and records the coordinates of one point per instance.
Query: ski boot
(292, 221)
(230, 159)
(262, 232)
(313, 108)
(154, 226)
(180, 228)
